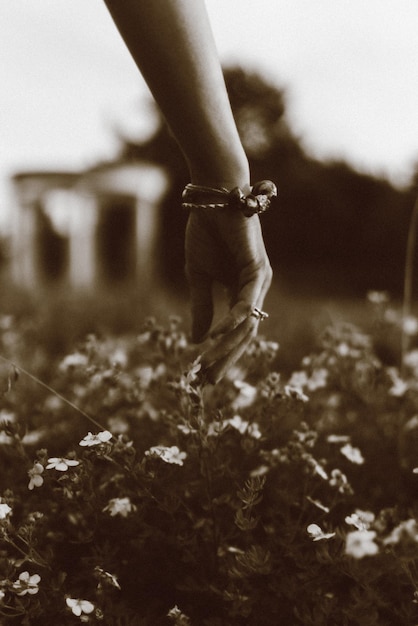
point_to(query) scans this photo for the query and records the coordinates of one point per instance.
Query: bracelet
(256, 202)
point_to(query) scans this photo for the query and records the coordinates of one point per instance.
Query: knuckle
(265, 270)
(247, 308)
(268, 274)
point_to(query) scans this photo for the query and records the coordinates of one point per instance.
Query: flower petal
(61, 466)
(87, 607)
(104, 436)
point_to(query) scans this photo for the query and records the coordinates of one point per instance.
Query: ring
(259, 314)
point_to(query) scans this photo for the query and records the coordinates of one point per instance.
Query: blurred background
(325, 96)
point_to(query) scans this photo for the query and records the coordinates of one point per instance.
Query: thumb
(201, 305)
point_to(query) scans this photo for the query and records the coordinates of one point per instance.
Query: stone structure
(81, 230)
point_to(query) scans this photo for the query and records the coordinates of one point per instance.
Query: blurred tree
(334, 229)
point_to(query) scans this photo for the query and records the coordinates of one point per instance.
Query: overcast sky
(349, 67)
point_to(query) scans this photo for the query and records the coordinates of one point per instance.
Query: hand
(224, 246)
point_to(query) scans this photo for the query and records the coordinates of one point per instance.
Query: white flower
(73, 360)
(244, 427)
(410, 325)
(298, 379)
(233, 550)
(26, 584)
(269, 346)
(246, 396)
(238, 423)
(61, 464)
(119, 506)
(178, 616)
(167, 454)
(338, 438)
(343, 349)
(411, 360)
(79, 607)
(33, 437)
(352, 454)
(360, 519)
(407, 531)
(360, 543)
(174, 612)
(261, 470)
(2, 594)
(95, 440)
(318, 379)
(52, 403)
(186, 430)
(334, 401)
(254, 431)
(119, 357)
(36, 480)
(317, 534)
(378, 297)
(7, 417)
(145, 375)
(294, 392)
(338, 480)
(216, 428)
(399, 386)
(5, 510)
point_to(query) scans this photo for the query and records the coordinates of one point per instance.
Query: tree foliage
(334, 228)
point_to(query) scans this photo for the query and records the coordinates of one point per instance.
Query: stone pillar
(147, 223)
(31, 191)
(24, 262)
(145, 182)
(82, 271)
(151, 186)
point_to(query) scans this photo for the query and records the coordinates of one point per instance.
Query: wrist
(248, 204)
(229, 176)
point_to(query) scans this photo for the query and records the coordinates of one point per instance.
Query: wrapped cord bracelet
(256, 202)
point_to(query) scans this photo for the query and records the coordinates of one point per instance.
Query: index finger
(250, 295)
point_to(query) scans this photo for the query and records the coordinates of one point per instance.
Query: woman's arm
(172, 44)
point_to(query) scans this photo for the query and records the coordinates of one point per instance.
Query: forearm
(172, 44)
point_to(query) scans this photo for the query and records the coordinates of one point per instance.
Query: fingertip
(219, 362)
(214, 374)
(208, 378)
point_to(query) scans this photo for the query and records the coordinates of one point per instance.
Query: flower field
(132, 495)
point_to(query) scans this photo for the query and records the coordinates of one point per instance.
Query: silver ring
(259, 314)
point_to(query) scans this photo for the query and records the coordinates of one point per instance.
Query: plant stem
(32, 556)
(51, 390)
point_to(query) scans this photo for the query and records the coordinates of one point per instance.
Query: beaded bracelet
(256, 202)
